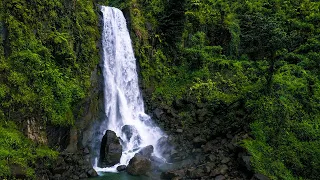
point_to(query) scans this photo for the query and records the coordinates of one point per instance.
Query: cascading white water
(123, 101)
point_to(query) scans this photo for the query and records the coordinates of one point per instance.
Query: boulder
(60, 165)
(131, 134)
(158, 112)
(92, 173)
(195, 173)
(245, 161)
(121, 168)
(86, 151)
(146, 151)
(164, 147)
(110, 150)
(156, 160)
(221, 170)
(198, 141)
(83, 176)
(225, 160)
(220, 177)
(173, 174)
(129, 131)
(139, 165)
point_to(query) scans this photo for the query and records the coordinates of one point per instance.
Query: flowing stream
(122, 98)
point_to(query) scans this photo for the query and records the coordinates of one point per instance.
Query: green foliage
(287, 126)
(48, 51)
(264, 54)
(51, 52)
(17, 150)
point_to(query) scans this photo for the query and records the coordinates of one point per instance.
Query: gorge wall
(224, 79)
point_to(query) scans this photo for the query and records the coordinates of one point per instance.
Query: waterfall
(122, 98)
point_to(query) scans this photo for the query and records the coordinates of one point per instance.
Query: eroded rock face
(121, 168)
(131, 134)
(36, 131)
(129, 131)
(139, 165)
(179, 174)
(198, 141)
(164, 147)
(66, 166)
(146, 151)
(111, 150)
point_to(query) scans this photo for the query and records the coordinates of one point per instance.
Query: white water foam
(122, 97)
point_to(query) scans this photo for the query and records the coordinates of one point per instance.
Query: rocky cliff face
(90, 114)
(78, 137)
(36, 131)
(74, 143)
(206, 146)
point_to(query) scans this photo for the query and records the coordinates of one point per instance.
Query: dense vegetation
(48, 50)
(261, 55)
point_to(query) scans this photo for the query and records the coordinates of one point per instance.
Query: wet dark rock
(156, 160)
(197, 150)
(231, 146)
(216, 121)
(158, 112)
(61, 165)
(121, 168)
(68, 160)
(201, 113)
(208, 147)
(146, 151)
(214, 172)
(198, 141)
(139, 165)
(83, 175)
(59, 170)
(211, 158)
(130, 131)
(229, 136)
(174, 153)
(67, 166)
(223, 141)
(92, 173)
(164, 147)
(81, 162)
(195, 172)
(111, 150)
(220, 177)
(86, 151)
(223, 169)
(259, 177)
(245, 161)
(179, 131)
(206, 169)
(173, 174)
(225, 160)
(57, 176)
